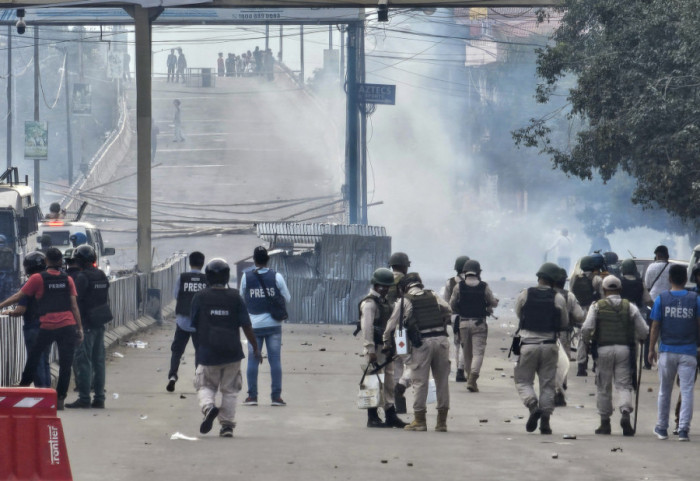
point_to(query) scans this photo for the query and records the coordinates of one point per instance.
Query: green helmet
(588, 263)
(459, 263)
(561, 279)
(549, 271)
(409, 280)
(472, 266)
(383, 277)
(399, 259)
(629, 268)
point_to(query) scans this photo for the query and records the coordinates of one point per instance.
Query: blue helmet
(78, 239)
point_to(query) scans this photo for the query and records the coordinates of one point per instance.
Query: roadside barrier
(127, 296)
(33, 447)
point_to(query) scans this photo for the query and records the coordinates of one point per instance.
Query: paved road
(320, 435)
(247, 141)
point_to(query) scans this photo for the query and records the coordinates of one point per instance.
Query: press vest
(472, 301)
(56, 296)
(255, 299)
(583, 290)
(426, 311)
(632, 290)
(679, 325)
(614, 324)
(218, 311)
(190, 284)
(384, 310)
(540, 314)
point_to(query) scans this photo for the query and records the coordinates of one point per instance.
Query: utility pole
(301, 73)
(280, 52)
(37, 162)
(341, 73)
(9, 96)
(363, 129)
(267, 36)
(330, 37)
(69, 132)
(351, 142)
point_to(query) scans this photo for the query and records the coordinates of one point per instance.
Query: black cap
(662, 250)
(260, 255)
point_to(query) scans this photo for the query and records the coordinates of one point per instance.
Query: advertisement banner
(36, 140)
(82, 99)
(115, 64)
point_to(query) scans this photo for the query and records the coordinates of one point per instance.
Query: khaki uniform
(401, 374)
(369, 313)
(473, 331)
(613, 363)
(576, 317)
(582, 348)
(433, 355)
(538, 355)
(449, 287)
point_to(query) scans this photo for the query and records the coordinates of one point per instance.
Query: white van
(60, 231)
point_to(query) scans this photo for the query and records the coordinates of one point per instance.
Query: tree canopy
(630, 70)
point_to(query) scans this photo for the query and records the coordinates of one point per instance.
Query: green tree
(634, 66)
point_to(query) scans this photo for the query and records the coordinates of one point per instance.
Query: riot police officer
(449, 287)
(542, 313)
(424, 316)
(92, 287)
(375, 311)
(399, 263)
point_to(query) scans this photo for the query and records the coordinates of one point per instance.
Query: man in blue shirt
(253, 285)
(676, 322)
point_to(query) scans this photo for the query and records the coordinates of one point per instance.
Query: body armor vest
(255, 299)
(384, 309)
(614, 324)
(190, 284)
(217, 318)
(583, 290)
(679, 325)
(56, 296)
(632, 290)
(426, 311)
(472, 301)
(539, 314)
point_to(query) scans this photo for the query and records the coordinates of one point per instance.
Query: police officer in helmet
(92, 286)
(399, 263)
(542, 313)
(375, 310)
(449, 287)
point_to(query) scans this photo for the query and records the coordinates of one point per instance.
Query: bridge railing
(127, 297)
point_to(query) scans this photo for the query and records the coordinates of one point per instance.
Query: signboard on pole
(376, 94)
(115, 64)
(82, 99)
(36, 140)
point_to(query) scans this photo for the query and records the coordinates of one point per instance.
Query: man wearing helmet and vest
(59, 320)
(425, 316)
(399, 263)
(634, 290)
(375, 311)
(542, 313)
(449, 287)
(218, 315)
(258, 285)
(33, 263)
(186, 286)
(576, 316)
(614, 325)
(473, 301)
(587, 286)
(676, 324)
(55, 212)
(92, 287)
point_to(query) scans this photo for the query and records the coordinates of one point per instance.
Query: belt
(550, 341)
(433, 334)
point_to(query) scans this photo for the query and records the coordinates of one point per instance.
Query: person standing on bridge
(186, 286)
(172, 65)
(181, 66)
(261, 287)
(177, 122)
(59, 320)
(218, 315)
(221, 65)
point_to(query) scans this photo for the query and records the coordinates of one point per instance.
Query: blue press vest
(255, 299)
(679, 325)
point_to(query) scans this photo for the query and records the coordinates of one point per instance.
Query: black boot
(392, 420)
(544, 425)
(399, 398)
(373, 419)
(460, 376)
(582, 370)
(535, 414)
(559, 399)
(627, 429)
(604, 427)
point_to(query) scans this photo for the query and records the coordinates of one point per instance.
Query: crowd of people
(256, 63)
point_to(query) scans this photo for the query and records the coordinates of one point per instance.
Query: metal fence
(126, 296)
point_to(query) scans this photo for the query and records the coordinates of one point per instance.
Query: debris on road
(617, 449)
(137, 344)
(179, 435)
(569, 436)
(117, 354)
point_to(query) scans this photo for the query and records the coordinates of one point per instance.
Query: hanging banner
(115, 64)
(36, 140)
(82, 99)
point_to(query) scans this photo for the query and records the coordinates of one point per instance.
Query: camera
(21, 24)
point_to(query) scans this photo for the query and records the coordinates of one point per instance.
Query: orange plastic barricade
(32, 446)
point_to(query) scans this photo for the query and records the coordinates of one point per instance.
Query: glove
(373, 358)
(388, 347)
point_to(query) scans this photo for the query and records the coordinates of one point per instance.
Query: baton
(379, 367)
(639, 382)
